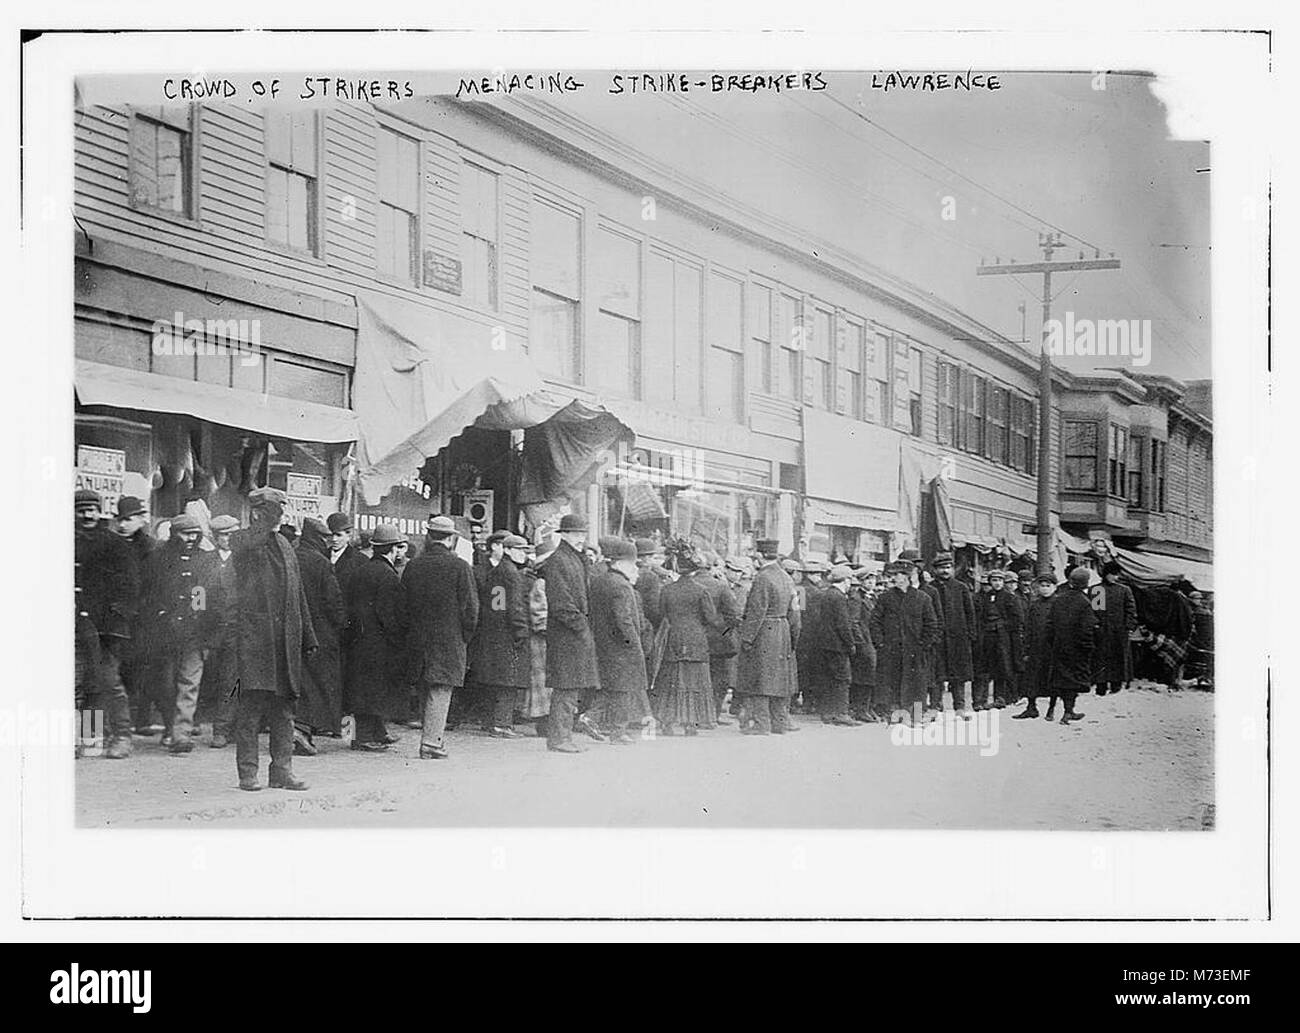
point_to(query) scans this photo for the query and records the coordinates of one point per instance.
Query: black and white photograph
(712, 443)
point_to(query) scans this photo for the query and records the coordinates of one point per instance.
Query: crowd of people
(333, 635)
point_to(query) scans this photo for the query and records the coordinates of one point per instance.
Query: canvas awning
(1154, 568)
(840, 514)
(101, 384)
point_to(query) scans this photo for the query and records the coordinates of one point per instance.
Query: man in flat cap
(954, 654)
(1071, 642)
(180, 615)
(905, 631)
(274, 634)
(616, 626)
(1036, 669)
(376, 655)
(571, 669)
(106, 589)
(499, 654)
(217, 698)
(1117, 614)
(768, 632)
(833, 648)
(997, 614)
(442, 614)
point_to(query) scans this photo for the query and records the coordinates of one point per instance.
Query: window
(397, 229)
(791, 340)
(292, 192)
(1136, 453)
(849, 385)
(914, 367)
(972, 407)
(614, 354)
(1159, 450)
(673, 331)
(875, 399)
(479, 199)
(760, 338)
(1080, 455)
(162, 174)
(1021, 417)
(1118, 461)
(726, 373)
(554, 257)
(900, 382)
(819, 386)
(947, 395)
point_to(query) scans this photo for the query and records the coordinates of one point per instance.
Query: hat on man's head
(514, 541)
(1027, 577)
(386, 534)
(184, 522)
(841, 572)
(1045, 579)
(1111, 567)
(1079, 577)
(85, 498)
(909, 555)
(259, 497)
(129, 506)
(616, 549)
(899, 567)
(737, 563)
(942, 559)
(605, 541)
(768, 548)
(572, 522)
(647, 547)
(224, 524)
(791, 565)
(441, 527)
(998, 573)
(337, 522)
(497, 536)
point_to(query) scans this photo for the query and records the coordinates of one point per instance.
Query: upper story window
(555, 254)
(875, 385)
(292, 179)
(162, 159)
(760, 338)
(397, 230)
(674, 288)
(1117, 465)
(1136, 456)
(849, 383)
(791, 339)
(819, 377)
(726, 356)
(614, 353)
(947, 392)
(1079, 453)
(480, 201)
(1159, 455)
(914, 384)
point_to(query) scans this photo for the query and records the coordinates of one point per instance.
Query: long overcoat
(1036, 679)
(442, 611)
(570, 649)
(322, 698)
(770, 625)
(863, 664)
(616, 627)
(997, 614)
(955, 608)
(273, 623)
(1071, 639)
(499, 654)
(723, 640)
(905, 630)
(1117, 616)
(691, 615)
(377, 633)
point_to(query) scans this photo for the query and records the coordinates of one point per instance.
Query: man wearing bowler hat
(499, 653)
(442, 613)
(571, 667)
(275, 634)
(768, 631)
(376, 658)
(616, 626)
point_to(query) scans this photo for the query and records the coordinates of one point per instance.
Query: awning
(1154, 568)
(839, 514)
(852, 462)
(101, 384)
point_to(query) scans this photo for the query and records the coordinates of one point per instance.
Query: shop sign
(305, 500)
(102, 470)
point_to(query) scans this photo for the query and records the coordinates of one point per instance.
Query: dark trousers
(835, 698)
(252, 709)
(370, 728)
(559, 725)
(100, 683)
(861, 697)
(217, 696)
(498, 703)
(769, 713)
(587, 698)
(722, 675)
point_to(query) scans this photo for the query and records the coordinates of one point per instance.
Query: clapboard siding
(515, 283)
(442, 196)
(350, 187)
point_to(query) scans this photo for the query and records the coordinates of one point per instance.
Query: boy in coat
(1071, 642)
(905, 630)
(616, 625)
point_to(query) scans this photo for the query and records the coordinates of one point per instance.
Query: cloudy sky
(1096, 163)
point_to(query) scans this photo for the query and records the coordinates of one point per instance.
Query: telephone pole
(1049, 242)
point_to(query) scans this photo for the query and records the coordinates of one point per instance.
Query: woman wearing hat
(683, 693)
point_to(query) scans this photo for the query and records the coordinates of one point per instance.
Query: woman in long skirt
(683, 693)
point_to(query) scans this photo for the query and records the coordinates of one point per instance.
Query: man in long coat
(106, 589)
(723, 643)
(811, 678)
(1036, 671)
(997, 614)
(616, 626)
(833, 648)
(905, 630)
(274, 634)
(768, 631)
(442, 612)
(955, 609)
(862, 667)
(1117, 614)
(570, 650)
(321, 705)
(375, 655)
(500, 654)
(1071, 639)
